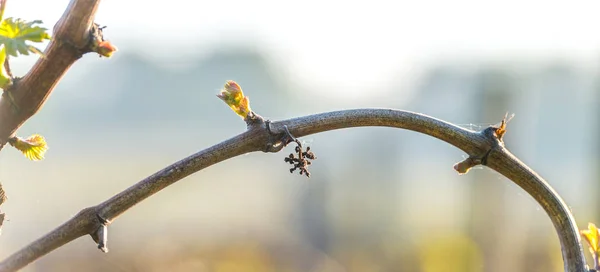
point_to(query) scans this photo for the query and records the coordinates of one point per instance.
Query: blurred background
(379, 199)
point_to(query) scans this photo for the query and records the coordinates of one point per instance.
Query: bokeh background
(379, 199)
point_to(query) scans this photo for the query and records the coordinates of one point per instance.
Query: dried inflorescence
(302, 161)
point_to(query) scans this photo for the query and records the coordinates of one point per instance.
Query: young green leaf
(14, 33)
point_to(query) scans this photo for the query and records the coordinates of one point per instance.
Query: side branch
(71, 40)
(272, 136)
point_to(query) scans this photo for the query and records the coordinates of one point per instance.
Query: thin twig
(475, 144)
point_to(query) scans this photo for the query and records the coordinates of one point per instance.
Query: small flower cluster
(302, 161)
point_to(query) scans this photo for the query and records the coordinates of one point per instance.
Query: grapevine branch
(483, 147)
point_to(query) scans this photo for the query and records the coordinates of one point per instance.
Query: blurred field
(379, 199)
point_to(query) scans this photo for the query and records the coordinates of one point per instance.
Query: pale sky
(385, 39)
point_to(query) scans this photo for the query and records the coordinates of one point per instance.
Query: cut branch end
(464, 166)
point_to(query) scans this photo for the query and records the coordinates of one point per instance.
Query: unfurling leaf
(591, 235)
(233, 96)
(106, 49)
(103, 47)
(14, 33)
(33, 147)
